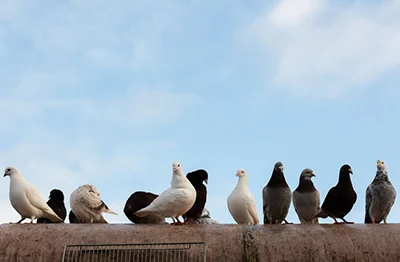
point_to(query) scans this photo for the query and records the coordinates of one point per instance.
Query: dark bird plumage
(276, 197)
(137, 201)
(380, 196)
(196, 178)
(341, 198)
(56, 203)
(73, 219)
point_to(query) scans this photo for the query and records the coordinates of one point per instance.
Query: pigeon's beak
(206, 180)
(281, 168)
(5, 174)
(351, 171)
(313, 175)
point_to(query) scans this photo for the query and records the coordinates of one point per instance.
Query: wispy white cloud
(325, 50)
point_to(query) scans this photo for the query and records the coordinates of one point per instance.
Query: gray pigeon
(205, 218)
(276, 197)
(306, 198)
(379, 196)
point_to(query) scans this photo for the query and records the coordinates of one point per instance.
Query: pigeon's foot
(347, 222)
(373, 222)
(286, 222)
(384, 221)
(338, 223)
(179, 223)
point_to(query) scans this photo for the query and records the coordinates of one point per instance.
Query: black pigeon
(55, 202)
(196, 178)
(73, 219)
(341, 198)
(137, 201)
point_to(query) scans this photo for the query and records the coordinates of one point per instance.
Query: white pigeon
(26, 199)
(87, 205)
(241, 203)
(176, 200)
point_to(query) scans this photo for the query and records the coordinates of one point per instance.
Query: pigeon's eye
(179, 165)
(241, 172)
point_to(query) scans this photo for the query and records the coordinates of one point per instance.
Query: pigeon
(206, 218)
(276, 197)
(73, 219)
(26, 199)
(379, 196)
(137, 201)
(56, 202)
(176, 200)
(241, 203)
(340, 199)
(196, 178)
(87, 205)
(306, 198)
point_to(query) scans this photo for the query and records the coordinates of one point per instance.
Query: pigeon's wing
(35, 199)
(165, 201)
(251, 207)
(368, 200)
(265, 205)
(331, 198)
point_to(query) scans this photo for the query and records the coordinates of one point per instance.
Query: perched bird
(340, 198)
(137, 201)
(206, 218)
(196, 178)
(306, 198)
(87, 205)
(175, 201)
(241, 203)
(55, 202)
(26, 199)
(379, 196)
(73, 219)
(276, 197)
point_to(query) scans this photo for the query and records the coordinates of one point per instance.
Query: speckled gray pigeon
(276, 197)
(306, 198)
(379, 196)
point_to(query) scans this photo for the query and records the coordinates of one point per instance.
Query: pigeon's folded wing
(265, 205)
(251, 206)
(36, 200)
(368, 200)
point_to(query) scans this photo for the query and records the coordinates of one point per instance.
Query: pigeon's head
(381, 166)
(346, 170)
(307, 173)
(278, 167)
(176, 167)
(92, 190)
(241, 173)
(11, 171)
(56, 194)
(197, 177)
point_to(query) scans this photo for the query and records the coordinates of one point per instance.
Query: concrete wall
(41, 242)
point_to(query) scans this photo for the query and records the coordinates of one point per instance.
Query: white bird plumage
(241, 202)
(87, 205)
(176, 200)
(26, 199)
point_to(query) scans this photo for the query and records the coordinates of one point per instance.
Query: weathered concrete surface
(45, 242)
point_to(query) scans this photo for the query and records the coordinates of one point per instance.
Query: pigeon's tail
(109, 211)
(321, 214)
(143, 213)
(53, 217)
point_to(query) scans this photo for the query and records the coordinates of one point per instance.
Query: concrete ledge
(45, 242)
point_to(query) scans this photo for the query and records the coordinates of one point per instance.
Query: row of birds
(187, 197)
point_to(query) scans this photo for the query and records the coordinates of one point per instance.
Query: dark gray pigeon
(341, 198)
(276, 197)
(55, 202)
(379, 196)
(306, 198)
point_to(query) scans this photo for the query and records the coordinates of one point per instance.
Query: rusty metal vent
(189, 251)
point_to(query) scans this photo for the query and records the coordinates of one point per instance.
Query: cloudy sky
(111, 93)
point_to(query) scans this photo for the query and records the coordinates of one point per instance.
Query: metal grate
(189, 251)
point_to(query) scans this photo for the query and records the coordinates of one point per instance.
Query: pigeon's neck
(277, 180)
(243, 181)
(306, 185)
(344, 179)
(381, 175)
(179, 181)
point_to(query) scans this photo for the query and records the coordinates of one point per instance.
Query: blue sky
(112, 93)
